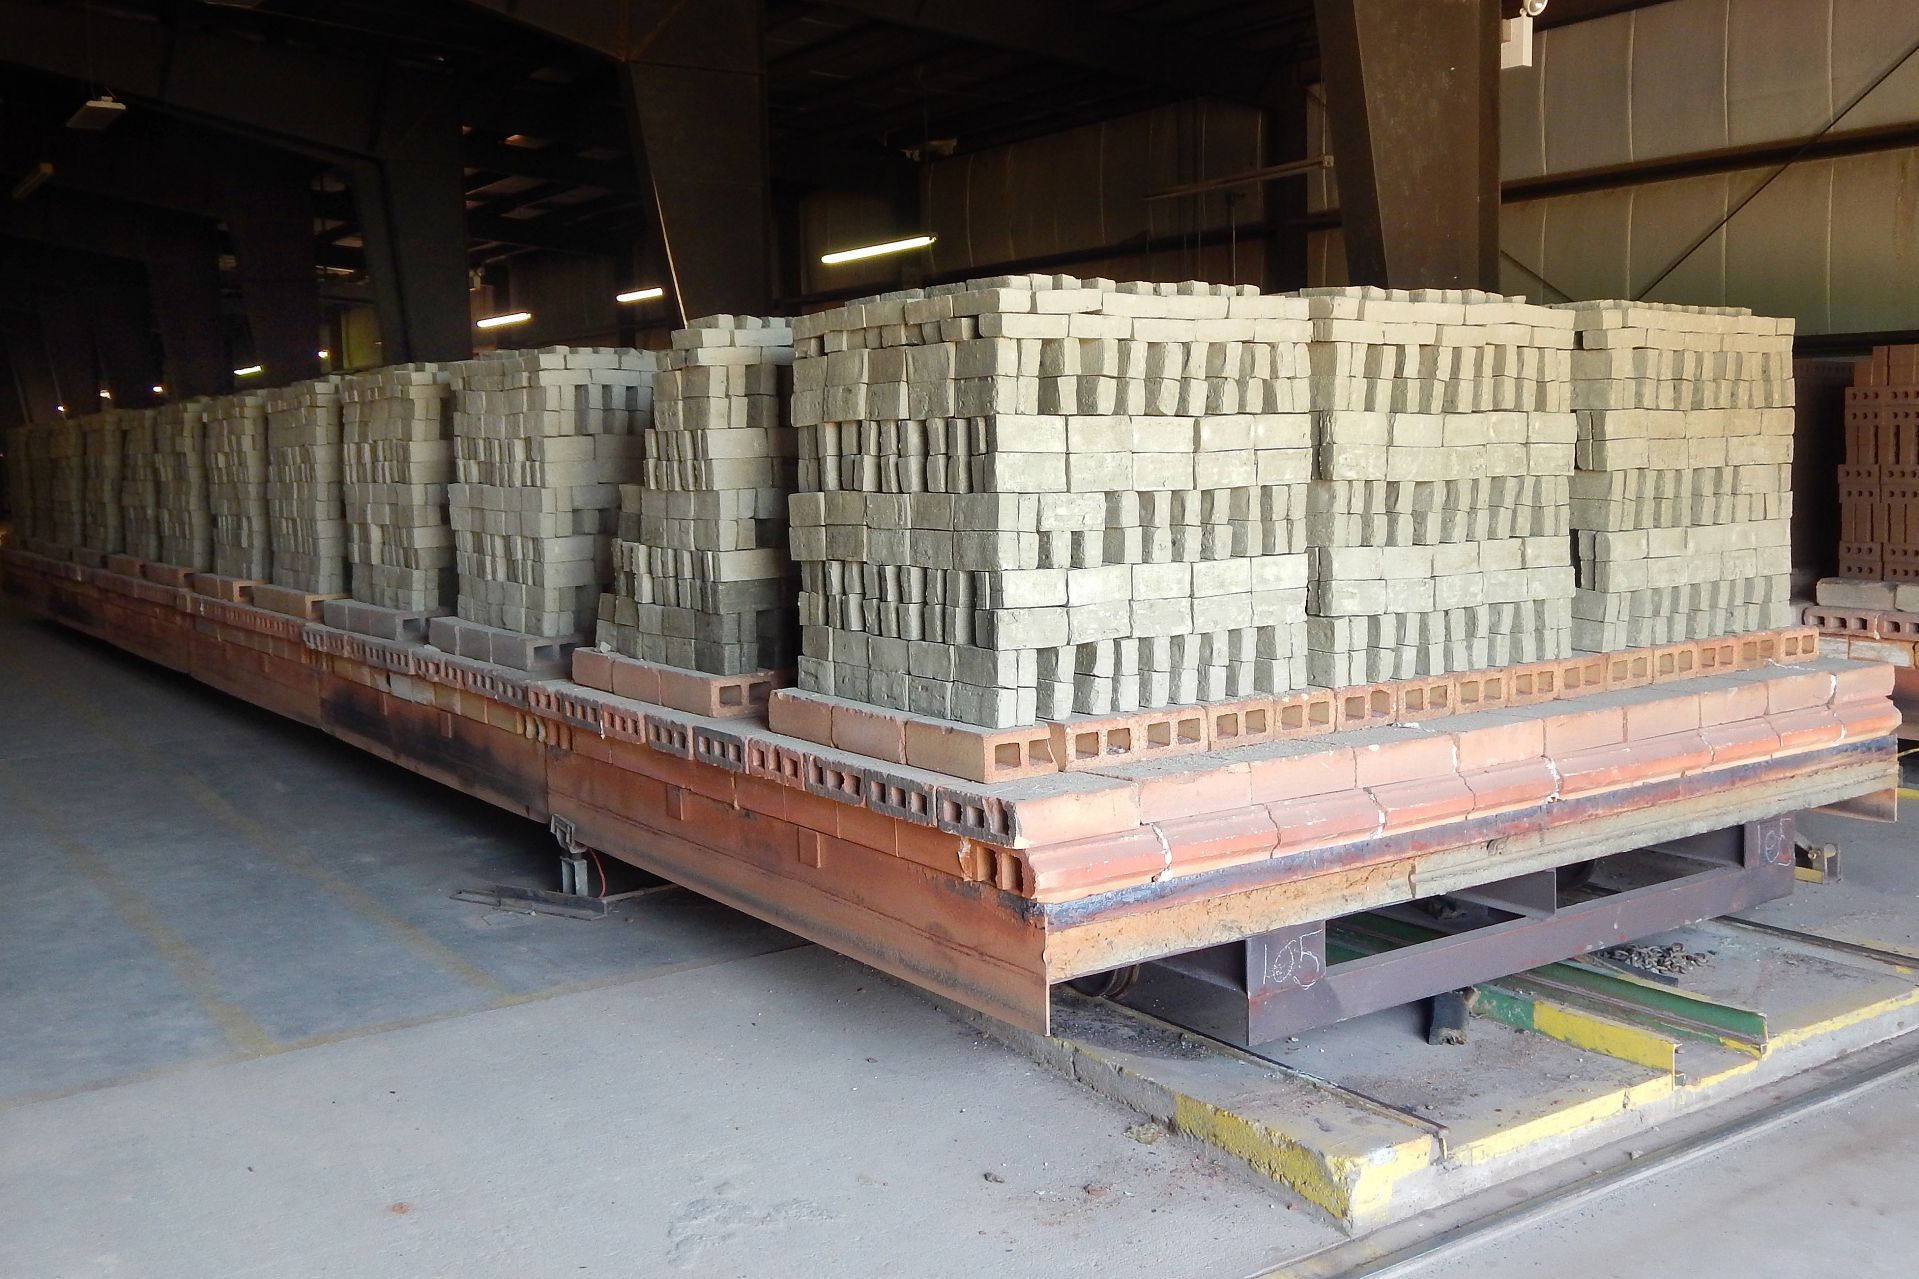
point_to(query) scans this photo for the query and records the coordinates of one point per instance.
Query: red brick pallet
(990, 893)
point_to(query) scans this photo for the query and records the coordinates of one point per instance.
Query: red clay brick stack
(1879, 484)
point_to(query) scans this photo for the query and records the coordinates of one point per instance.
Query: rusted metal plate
(489, 763)
(964, 940)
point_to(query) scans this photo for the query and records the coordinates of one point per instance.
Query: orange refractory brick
(1503, 787)
(1493, 740)
(1078, 868)
(1428, 801)
(1211, 840)
(1282, 771)
(1319, 821)
(1399, 755)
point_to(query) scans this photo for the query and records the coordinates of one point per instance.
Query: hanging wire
(1790, 160)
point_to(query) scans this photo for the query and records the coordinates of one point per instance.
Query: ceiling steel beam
(694, 80)
(1109, 44)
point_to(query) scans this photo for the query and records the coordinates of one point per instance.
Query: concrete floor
(245, 1030)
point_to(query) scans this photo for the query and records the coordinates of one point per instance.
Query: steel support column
(411, 204)
(1413, 96)
(123, 334)
(66, 319)
(270, 220)
(32, 373)
(696, 96)
(183, 273)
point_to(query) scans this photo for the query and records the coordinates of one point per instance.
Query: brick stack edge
(305, 487)
(59, 482)
(237, 486)
(1879, 482)
(139, 485)
(1682, 501)
(702, 578)
(1034, 496)
(542, 441)
(180, 486)
(396, 428)
(101, 436)
(18, 442)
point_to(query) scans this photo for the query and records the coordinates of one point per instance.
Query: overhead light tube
(501, 321)
(878, 250)
(640, 295)
(248, 371)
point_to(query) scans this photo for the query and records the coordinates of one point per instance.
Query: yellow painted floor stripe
(283, 850)
(242, 1032)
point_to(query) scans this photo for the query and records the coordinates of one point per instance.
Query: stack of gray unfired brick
(19, 442)
(304, 487)
(703, 577)
(397, 428)
(1035, 496)
(237, 486)
(1682, 500)
(60, 481)
(542, 441)
(180, 485)
(1444, 447)
(140, 485)
(101, 437)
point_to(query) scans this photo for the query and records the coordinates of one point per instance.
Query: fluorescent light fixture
(248, 371)
(105, 394)
(35, 179)
(323, 353)
(878, 250)
(501, 321)
(158, 390)
(640, 295)
(97, 113)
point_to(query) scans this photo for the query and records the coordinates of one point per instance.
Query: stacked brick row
(542, 441)
(140, 484)
(237, 486)
(59, 481)
(1437, 512)
(101, 437)
(1032, 496)
(1682, 499)
(702, 574)
(21, 507)
(304, 487)
(397, 432)
(1879, 482)
(180, 485)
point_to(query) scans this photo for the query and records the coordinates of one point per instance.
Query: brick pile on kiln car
(180, 486)
(542, 441)
(18, 442)
(396, 427)
(101, 438)
(305, 487)
(1682, 500)
(1033, 496)
(59, 482)
(702, 577)
(139, 484)
(1443, 447)
(237, 486)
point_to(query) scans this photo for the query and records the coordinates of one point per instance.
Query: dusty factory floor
(245, 1029)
